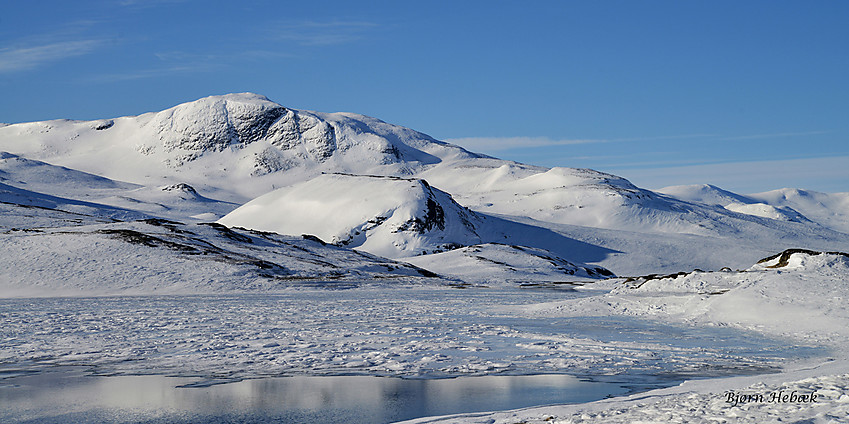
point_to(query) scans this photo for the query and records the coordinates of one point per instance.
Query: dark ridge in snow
(102, 125)
(784, 257)
(157, 255)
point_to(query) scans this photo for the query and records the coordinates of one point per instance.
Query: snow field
(693, 405)
(248, 304)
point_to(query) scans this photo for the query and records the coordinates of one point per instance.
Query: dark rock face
(249, 127)
(103, 125)
(213, 125)
(293, 129)
(434, 215)
(181, 187)
(226, 127)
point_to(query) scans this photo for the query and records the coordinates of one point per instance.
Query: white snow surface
(155, 256)
(802, 302)
(387, 216)
(494, 263)
(236, 147)
(827, 209)
(93, 213)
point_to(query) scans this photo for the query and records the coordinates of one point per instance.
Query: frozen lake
(68, 396)
(317, 354)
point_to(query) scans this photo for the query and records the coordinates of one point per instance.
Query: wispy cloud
(774, 135)
(147, 3)
(137, 74)
(180, 62)
(313, 33)
(182, 57)
(493, 144)
(33, 56)
(665, 137)
(507, 143)
(828, 174)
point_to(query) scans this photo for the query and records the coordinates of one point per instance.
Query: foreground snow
(647, 331)
(710, 401)
(799, 296)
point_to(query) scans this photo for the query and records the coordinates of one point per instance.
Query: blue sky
(747, 95)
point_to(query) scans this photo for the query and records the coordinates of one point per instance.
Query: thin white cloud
(774, 135)
(665, 137)
(148, 3)
(190, 58)
(494, 144)
(137, 74)
(314, 33)
(506, 143)
(827, 174)
(30, 57)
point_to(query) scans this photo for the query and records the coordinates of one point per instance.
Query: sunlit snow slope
(388, 216)
(201, 160)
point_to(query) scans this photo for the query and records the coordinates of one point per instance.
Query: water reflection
(70, 396)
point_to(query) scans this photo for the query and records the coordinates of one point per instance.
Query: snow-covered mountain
(403, 217)
(233, 194)
(233, 147)
(387, 216)
(240, 146)
(786, 204)
(829, 209)
(403, 193)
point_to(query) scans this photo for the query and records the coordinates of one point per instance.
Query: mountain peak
(246, 97)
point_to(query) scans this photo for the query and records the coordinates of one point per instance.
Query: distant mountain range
(359, 183)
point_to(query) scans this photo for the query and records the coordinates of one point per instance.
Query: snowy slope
(797, 295)
(237, 147)
(397, 218)
(494, 263)
(155, 256)
(36, 183)
(807, 288)
(234, 147)
(593, 199)
(387, 216)
(15, 196)
(707, 194)
(826, 209)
